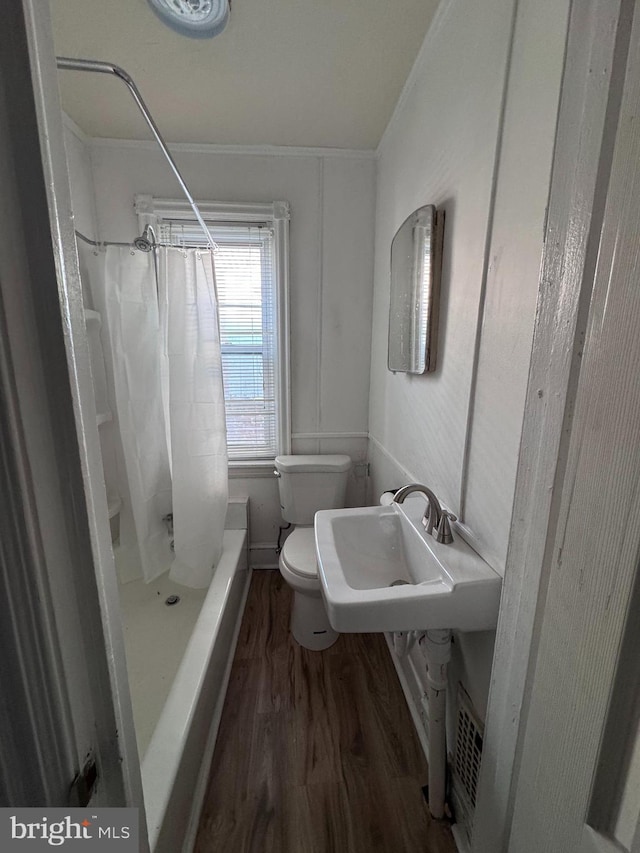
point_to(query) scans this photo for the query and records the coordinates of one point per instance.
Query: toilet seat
(299, 553)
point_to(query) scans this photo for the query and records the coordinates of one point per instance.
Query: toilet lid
(299, 552)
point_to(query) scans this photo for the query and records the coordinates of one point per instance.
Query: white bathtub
(176, 764)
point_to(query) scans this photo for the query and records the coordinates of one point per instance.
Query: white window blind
(247, 299)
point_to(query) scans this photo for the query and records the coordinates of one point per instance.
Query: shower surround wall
(473, 133)
(332, 198)
(91, 269)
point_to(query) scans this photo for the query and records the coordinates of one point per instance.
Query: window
(251, 277)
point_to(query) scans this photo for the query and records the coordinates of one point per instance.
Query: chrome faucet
(436, 520)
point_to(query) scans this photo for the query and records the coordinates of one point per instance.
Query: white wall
(515, 253)
(332, 198)
(439, 148)
(473, 133)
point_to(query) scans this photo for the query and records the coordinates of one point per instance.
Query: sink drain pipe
(437, 651)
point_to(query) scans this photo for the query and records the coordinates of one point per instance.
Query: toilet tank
(310, 483)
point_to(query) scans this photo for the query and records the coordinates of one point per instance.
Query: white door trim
(575, 698)
(99, 592)
(55, 410)
(582, 162)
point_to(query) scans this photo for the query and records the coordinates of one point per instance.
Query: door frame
(589, 107)
(47, 405)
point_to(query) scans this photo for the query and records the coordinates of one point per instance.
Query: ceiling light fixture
(194, 18)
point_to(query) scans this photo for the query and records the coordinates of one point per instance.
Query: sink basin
(381, 571)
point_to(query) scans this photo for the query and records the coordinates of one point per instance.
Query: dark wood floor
(316, 751)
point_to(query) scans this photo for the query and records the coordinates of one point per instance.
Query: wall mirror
(416, 261)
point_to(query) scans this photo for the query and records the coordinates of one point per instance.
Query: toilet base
(310, 624)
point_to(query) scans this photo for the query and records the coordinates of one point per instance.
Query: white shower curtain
(196, 412)
(170, 406)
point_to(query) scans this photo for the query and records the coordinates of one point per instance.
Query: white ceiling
(284, 72)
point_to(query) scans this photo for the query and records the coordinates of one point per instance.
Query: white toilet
(308, 484)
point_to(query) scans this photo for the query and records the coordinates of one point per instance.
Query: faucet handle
(443, 532)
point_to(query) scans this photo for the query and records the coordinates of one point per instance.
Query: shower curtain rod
(102, 243)
(66, 63)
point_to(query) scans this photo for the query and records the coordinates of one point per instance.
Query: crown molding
(243, 150)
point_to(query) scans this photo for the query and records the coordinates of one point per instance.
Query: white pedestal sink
(381, 571)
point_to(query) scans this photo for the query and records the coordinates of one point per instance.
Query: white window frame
(151, 210)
